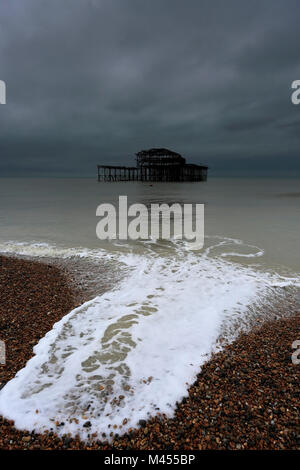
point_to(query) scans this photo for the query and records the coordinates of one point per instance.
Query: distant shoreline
(245, 397)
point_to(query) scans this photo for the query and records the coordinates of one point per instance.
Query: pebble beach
(245, 397)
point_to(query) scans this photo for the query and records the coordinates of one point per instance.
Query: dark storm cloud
(95, 81)
(249, 124)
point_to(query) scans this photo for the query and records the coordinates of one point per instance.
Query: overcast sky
(94, 81)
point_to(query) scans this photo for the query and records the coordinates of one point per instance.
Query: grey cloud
(92, 81)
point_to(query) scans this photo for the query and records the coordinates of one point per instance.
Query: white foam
(144, 342)
(43, 250)
(243, 255)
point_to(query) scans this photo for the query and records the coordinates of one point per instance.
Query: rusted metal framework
(159, 158)
(117, 173)
(155, 165)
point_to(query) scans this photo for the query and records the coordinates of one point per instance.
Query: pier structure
(161, 164)
(117, 173)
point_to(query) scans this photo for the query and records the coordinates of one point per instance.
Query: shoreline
(245, 397)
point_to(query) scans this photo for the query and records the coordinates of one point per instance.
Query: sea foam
(133, 351)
